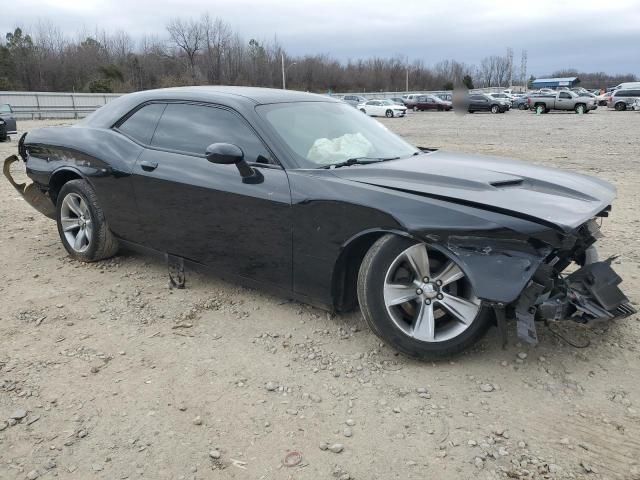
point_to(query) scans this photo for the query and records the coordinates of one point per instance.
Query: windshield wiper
(359, 161)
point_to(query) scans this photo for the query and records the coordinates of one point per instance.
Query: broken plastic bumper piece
(33, 195)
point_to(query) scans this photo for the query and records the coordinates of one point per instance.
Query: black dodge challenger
(302, 194)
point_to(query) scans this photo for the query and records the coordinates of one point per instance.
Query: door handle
(148, 166)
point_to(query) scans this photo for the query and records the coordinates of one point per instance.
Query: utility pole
(523, 70)
(407, 78)
(284, 81)
(284, 72)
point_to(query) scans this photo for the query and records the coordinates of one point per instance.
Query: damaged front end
(571, 284)
(32, 193)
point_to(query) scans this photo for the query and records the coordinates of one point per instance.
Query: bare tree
(45, 59)
(187, 35)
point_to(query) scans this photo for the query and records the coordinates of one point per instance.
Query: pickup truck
(563, 100)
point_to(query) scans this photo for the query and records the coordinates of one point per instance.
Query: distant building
(555, 83)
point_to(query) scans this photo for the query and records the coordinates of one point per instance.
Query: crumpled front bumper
(589, 294)
(32, 194)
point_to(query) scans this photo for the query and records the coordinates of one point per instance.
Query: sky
(586, 35)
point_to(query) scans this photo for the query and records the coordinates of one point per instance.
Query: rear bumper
(32, 194)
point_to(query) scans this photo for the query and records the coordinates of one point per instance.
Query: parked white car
(382, 108)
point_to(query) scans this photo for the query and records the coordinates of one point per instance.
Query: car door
(564, 101)
(479, 103)
(431, 104)
(204, 212)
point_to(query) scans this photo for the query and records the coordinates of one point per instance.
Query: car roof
(235, 97)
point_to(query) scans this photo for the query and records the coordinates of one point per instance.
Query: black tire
(388, 113)
(621, 106)
(580, 108)
(495, 109)
(363, 111)
(102, 244)
(522, 106)
(540, 108)
(370, 296)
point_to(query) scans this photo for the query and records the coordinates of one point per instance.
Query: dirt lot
(106, 373)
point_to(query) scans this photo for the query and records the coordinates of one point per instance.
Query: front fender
(498, 269)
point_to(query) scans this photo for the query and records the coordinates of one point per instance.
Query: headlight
(1, 122)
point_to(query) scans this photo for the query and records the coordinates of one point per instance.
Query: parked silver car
(353, 100)
(623, 99)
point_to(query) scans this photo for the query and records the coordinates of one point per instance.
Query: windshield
(326, 133)
(387, 102)
(5, 108)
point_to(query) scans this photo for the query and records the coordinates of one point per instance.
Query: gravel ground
(106, 373)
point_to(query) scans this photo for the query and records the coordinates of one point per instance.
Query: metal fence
(39, 105)
(381, 95)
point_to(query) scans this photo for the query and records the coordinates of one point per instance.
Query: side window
(142, 123)
(634, 93)
(192, 128)
(564, 95)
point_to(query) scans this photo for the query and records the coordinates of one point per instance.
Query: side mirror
(224, 153)
(230, 154)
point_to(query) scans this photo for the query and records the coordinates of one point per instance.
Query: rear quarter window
(142, 123)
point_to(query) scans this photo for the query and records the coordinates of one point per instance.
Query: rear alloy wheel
(417, 299)
(495, 109)
(389, 113)
(82, 226)
(580, 109)
(540, 109)
(522, 106)
(621, 106)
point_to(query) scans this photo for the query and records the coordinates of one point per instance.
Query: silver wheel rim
(428, 296)
(76, 221)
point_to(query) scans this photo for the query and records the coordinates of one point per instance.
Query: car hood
(546, 195)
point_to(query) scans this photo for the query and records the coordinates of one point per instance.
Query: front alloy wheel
(495, 109)
(428, 296)
(418, 299)
(389, 113)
